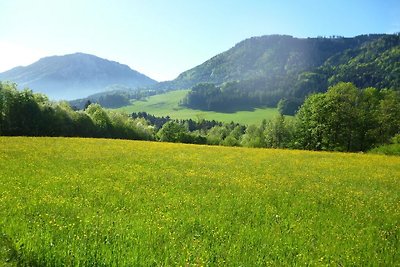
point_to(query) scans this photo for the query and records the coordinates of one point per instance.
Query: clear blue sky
(162, 38)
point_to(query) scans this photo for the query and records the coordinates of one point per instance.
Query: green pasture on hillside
(168, 104)
(98, 202)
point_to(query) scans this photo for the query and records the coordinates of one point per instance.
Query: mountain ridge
(255, 56)
(261, 71)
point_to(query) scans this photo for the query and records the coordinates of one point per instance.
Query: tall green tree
(348, 119)
(100, 119)
(389, 115)
(329, 121)
(341, 117)
(233, 138)
(310, 123)
(278, 133)
(253, 137)
(173, 132)
(19, 111)
(368, 118)
(2, 99)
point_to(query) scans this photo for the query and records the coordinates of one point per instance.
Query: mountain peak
(75, 75)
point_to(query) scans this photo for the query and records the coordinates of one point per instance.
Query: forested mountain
(263, 70)
(266, 56)
(74, 76)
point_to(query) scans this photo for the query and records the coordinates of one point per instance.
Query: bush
(392, 149)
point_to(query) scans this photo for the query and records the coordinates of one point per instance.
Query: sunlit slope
(98, 202)
(168, 105)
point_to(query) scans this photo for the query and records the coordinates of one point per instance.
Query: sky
(163, 38)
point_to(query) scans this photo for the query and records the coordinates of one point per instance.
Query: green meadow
(168, 104)
(98, 202)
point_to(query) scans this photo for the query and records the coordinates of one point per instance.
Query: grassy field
(96, 202)
(168, 104)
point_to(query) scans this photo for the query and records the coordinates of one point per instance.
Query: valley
(199, 133)
(168, 104)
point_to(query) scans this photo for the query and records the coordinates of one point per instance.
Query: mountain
(260, 71)
(266, 56)
(74, 76)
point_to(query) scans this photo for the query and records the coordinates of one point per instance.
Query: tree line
(192, 125)
(29, 114)
(345, 118)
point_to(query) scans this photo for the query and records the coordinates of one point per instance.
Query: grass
(97, 202)
(168, 104)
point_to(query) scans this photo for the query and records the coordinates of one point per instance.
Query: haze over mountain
(74, 76)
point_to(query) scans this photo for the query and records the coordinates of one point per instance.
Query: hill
(262, 70)
(168, 104)
(270, 56)
(114, 97)
(91, 202)
(74, 76)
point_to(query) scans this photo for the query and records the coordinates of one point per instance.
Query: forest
(294, 69)
(345, 118)
(114, 98)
